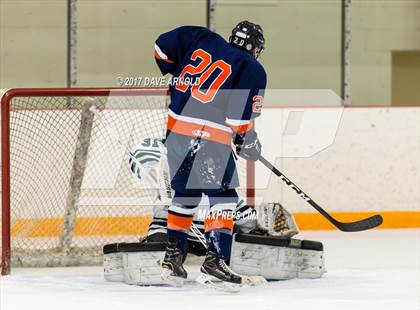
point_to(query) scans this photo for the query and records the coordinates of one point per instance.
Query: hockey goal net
(66, 184)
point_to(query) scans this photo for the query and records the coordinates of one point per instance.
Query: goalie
(151, 169)
(263, 232)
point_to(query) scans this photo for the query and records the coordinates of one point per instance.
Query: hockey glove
(248, 146)
(274, 218)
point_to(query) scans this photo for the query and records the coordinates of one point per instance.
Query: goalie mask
(248, 37)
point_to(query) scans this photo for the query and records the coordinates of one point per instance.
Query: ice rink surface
(369, 270)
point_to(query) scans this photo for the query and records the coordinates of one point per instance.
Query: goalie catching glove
(248, 146)
(275, 220)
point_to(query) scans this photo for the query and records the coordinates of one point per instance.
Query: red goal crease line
(138, 225)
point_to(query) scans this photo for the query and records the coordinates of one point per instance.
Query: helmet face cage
(248, 37)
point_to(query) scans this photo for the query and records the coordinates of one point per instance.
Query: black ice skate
(215, 273)
(173, 272)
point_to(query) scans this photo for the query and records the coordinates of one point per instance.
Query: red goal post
(66, 188)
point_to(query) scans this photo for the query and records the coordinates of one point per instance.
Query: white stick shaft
(113, 133)
(199, 235)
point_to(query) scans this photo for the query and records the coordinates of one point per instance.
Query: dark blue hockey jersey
(216, 90)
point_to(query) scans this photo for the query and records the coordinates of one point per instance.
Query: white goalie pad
(134, 263)
(275, 258)
(113, 268)
(142, 268)
(271, 257)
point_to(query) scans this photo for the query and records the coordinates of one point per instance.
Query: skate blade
(214, 283)
(169, 279)
(253, 280)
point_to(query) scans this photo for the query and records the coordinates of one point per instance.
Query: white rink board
(373, 164)
(369, 270)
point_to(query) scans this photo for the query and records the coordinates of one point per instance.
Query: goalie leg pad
(275, 258)
(113, 267)
(135, 263)
(311, 264)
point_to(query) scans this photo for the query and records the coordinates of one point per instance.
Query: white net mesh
(71, 187)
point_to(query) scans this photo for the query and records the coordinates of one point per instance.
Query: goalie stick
(365, 224)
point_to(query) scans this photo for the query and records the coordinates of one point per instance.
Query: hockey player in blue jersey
(217, 91)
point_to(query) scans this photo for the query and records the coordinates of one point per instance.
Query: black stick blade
(365, 224)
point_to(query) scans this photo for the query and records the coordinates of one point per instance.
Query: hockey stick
(365, 224)
(111, 132)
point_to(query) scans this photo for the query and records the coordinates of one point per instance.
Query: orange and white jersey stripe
(195, 127)
(207, 130)
(240, 126)
(161, 55)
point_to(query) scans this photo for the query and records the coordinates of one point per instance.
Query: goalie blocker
(274, 258)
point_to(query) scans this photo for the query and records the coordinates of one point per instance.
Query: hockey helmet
(248, 37)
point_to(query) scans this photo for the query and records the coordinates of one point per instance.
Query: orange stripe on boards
(392, 219)
(179, 222)
(84, 226)
(37, 227)
(137, 225)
